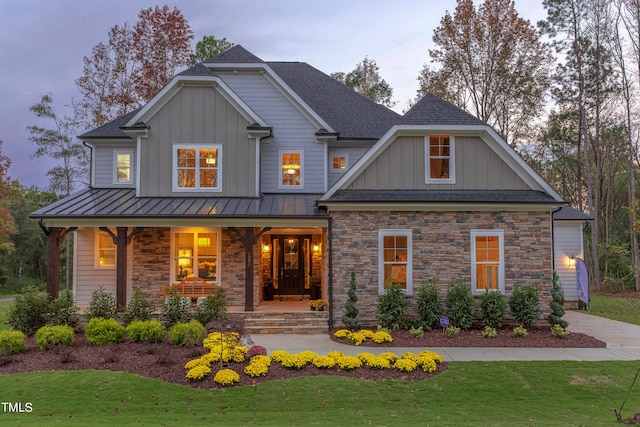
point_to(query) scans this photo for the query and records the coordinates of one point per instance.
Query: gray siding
(567, 241)
(401, 166)
(103, 172)
(198, 115)
(354, 155)
(291, 131)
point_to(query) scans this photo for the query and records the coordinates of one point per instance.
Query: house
(242, 171)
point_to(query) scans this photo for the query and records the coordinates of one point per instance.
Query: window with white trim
(195, 254)
(122, 171)
(395, 260)
(291, 169)
(196, 167)
(440, 159)
(487, 261)
(339, 162)
(105, 251)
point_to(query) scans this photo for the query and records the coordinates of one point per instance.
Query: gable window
(197, 168)
(487, 261)
(195, 254)
(291, 169)
(122, 161)
(339, 162)
(105, 251)
(440, 162)
(395, 259)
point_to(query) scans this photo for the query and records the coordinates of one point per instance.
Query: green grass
(469, 393)
(620, 308)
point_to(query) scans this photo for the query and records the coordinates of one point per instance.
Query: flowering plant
(347, 363)
(405, 365)
(226, 377)
(324, 362)
(256, 368)
(279, 355)
(198, 373)
(317, 304)
(294, 361)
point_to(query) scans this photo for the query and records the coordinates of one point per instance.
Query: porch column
(121, 239)
(248, 239)
(55, 237)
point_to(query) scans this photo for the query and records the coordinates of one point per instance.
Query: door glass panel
(291, 254)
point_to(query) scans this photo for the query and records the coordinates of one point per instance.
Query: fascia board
(212, 221)
(435, 206)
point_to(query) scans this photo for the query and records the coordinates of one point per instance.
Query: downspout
(330, 268)
(553, 241)
(90, 163)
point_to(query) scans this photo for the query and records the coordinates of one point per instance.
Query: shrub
(138, 308)
(493, 306)
(211, 306)
(29, 311)
(461, 307)
(489, 332)
(176, 309)
(519, 332)
(392, 307)
(146, 331)
(417, 332)
(187, 334)
(226, 377)
(101, 331)
(63, 310)
(12, 342)
(559, 331)
(351, 311)
(103, 304)
(556, 304)
(256, 350)
(430, 305)
(49, 336)
(525, 305)
(452, 331)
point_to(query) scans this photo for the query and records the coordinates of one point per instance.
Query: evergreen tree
(351, 311)
(557, 304)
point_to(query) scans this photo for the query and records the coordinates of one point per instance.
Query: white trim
(116, 153)
(487, 232)
(281, 186)
(174, 169)
(346, 162)
(382, 233)
(451, 158)
(138, 164)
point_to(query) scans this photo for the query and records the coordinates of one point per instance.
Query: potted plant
(267, 289)
(317, 304)
(314, 287)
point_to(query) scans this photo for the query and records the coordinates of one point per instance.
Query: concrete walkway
(623, 343)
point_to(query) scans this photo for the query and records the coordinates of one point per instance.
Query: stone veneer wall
(441, 251)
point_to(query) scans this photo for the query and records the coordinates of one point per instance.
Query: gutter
(90, 162)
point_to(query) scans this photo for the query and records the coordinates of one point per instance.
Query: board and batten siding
(87, 278)
(567, 242)
(401, 166)
(198, 115)
(104, 167)
(353, 153)
(292, 131)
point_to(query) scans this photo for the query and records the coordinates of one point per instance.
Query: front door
(291, 265)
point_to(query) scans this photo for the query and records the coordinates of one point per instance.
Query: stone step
(286, 323)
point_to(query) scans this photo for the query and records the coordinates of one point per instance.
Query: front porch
(282, 317)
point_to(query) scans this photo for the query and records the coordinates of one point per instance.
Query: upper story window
(122, 171)
(440, 160)
(395, 259)
(196, 168)
(339, 162)
(105, 251)
(291, 169)
(487, 261)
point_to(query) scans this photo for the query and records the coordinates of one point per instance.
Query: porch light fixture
(572, 260)
(316, 248)
(265, 249)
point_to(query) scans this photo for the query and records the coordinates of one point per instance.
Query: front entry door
(291, 265)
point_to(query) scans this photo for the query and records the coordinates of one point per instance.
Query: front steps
(308, 322)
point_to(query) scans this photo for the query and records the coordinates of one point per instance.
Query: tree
(209, 47)
(492, 63)
(60, 144)
(161, 44)
(365, 79)
(7, 194)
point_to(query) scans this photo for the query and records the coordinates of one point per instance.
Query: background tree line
(564, 93)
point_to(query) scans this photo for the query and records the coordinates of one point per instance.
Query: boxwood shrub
(461, 308)
(187, 334)
(12, 342)
(101, 331)
(146, 331)
(50, 336)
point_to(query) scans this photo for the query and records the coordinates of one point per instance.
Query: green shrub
(101, 331)
(559, 331)
(63, 310)
(103, 304)
(525, 305)
(138, 308)
(350, 309)
(211, 306)
(392, 307)
(12, 342)
(489, 332)
(493, 306)
(430, 305)
(187, 334)
(461, 308)
(556, 304)
(146, 331)
(520, 332)
(176, 309)
(49, 336)
(452, 331)
(29, 311)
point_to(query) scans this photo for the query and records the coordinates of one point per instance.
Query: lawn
(624, 309)
(468, 393)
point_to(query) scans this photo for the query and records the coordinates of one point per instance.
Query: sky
(43, 43)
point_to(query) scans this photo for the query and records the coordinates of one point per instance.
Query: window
(339, 162)
(395, 259)
(440, 162)
(122, 173)
(291, 169)
(487, 261)
(105, 251)
(197, 168)
(195, 254)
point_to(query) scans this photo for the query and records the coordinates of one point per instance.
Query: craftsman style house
(242, 172)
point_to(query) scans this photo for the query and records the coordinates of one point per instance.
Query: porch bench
(192, 288)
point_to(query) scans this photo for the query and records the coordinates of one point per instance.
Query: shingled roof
(111, 129)
(434, 110)
(237, 54)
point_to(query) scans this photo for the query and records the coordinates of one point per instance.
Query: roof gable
(237, 54)
(434, 110)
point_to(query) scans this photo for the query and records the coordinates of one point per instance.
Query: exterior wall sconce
(265, 249)
(572, 260)
(316, 248)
